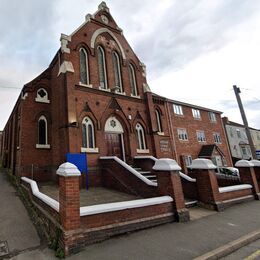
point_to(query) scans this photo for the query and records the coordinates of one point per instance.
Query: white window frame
(182, 134)
(105, 86)
(201, 136)
(141, 139)
(196, 113)
(87, 148)
(177, 109)
(187, 160)
(44, 99)
(134, 90)
(217, 138)
(239, 135)
(212, 117)
(46, 145)
(117, 61)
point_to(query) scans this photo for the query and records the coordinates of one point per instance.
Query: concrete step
(190, 203)
(144, 172)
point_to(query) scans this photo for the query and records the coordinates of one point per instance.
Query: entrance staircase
(147, 174)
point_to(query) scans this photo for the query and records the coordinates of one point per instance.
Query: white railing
(186, 177)
(129, 168)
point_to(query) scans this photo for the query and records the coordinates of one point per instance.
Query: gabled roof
(207, 150)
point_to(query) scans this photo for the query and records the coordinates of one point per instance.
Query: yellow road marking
(253, 256)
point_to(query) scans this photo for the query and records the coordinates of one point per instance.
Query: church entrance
(114, 136)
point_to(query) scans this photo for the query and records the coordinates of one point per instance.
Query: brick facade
(68, 102)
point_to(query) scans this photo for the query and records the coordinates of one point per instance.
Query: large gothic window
(117, 72)
(84, 73)
(102, 68)
(88, 138)
(140, 137)
(133, 85)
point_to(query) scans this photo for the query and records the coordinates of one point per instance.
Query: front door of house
(114, 144)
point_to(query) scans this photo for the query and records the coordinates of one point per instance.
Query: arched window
(42, 131)
(158, 120)
(140, 137)
(133, 80)
(102, 68)
(84, 74)
(88, 139)
(42, 96)
(117, 72)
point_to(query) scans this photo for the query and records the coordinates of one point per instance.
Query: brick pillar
(207, 184)
(257, 170)
(69, 196)
(169, 183)
(248, 176)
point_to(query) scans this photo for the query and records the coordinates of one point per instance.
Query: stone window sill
(142, 151)
(105, 89)
(43, 146)
(160, 133)
(47, 101)
(135, 96)
(85, 85)
(89, 150)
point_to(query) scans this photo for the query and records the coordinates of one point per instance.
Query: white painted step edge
(234, 188)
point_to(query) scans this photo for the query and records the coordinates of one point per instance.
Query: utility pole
(243, 115)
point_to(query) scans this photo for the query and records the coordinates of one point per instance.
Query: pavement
(206, 232)
(17, 233)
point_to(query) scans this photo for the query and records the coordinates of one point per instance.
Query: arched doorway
(114, 135)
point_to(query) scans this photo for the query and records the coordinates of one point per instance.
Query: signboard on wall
(78, 159)
(165, 146)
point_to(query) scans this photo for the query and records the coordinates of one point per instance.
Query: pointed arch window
(84, 71)
(159, 121)
(102, 68)
(133, 85)
(42, 133)
(140, 138)
(117, 72)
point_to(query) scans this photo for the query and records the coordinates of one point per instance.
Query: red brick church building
(94, 99)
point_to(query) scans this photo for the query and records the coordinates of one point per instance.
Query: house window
(42, 96)
(217, 138)
(187, 160)
(84, 74)
(158, 120)
(201, 136)
(177, 109)
(244, 150)
(182, 134)
(88, 140)
(133, 85)
(102, 68)
(231, 132)
(196, 113)
(212, 117)
(42, 133)
(238, 133)
(117, 72)
(140, 137)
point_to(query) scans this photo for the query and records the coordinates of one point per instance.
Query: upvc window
(217, 138)
(182, 134)
(196, 113)
(88, 140)
(177, 109)
(201, 136)
(158, 120)
(42, 133)
(212, 117)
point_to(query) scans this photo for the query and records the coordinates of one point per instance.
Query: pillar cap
(244, 163)
(256, 163)
(166, 164)
(203, 164)
(68, 170)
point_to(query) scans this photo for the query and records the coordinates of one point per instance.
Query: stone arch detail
(103, 30)
(113, 125)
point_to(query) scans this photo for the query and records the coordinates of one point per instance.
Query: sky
(194, 50)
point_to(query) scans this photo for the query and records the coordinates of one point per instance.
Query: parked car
(228, 171)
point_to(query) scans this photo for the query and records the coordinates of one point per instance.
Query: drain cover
(4, 248)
